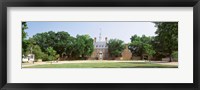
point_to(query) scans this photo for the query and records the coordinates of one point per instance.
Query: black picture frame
(98, 3)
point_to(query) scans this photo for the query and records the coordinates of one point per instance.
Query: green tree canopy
(52, 55)
(115, 47)
(141, 45)
(59, 41)
(35, 49)
(24, 27)
(38, 52)
(24, 41)
(84, 45)
(64, 44)
(167, 37)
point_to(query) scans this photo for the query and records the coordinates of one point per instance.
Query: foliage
(35, 49)
(84, 46)
(38, 52)
(64, 44)
(167, 37)
(24, 27)
(52, 55)
(175, 55)
(47, 45)
(149, 49)
(141, 45)
(25, 47)
(45, 57)
(44, 40)
(115, 47)
(24, 35)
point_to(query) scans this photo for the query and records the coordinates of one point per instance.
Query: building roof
(100, 44)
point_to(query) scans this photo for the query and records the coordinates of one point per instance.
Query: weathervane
(100, 35)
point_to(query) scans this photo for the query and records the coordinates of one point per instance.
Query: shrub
(45, 57)
(175, 55)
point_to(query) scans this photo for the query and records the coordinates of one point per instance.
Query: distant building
(101, 50)
(28, 58)
(126, 54)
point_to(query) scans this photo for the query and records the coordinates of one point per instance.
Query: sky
(111, 30)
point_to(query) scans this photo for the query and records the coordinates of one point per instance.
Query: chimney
(106, 39)
(95, 39)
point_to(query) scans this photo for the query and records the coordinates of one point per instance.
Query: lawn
(105, 65)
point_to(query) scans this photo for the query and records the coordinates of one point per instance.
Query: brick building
(101, 50)
(126, 54)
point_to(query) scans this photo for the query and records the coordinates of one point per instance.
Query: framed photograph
(93, 44)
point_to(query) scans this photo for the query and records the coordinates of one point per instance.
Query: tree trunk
(141, 57)
(170, 55)
(170, 58)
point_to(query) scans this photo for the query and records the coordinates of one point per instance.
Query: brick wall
(126, 54)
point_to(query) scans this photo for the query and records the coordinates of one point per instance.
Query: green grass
(105, 65)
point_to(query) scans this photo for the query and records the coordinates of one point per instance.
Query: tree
(71, 48)
(175, 55)
(149, 49)
(35, 49)
(115, 47)
(141, 45)
(24, 27)
(52, 55)
(167, 37)
(24, 35)
(89, 47)
(62, 43)
(46, 39)
(84, 44)
(38, 52)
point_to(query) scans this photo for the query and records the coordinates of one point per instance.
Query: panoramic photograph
(99, 44)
